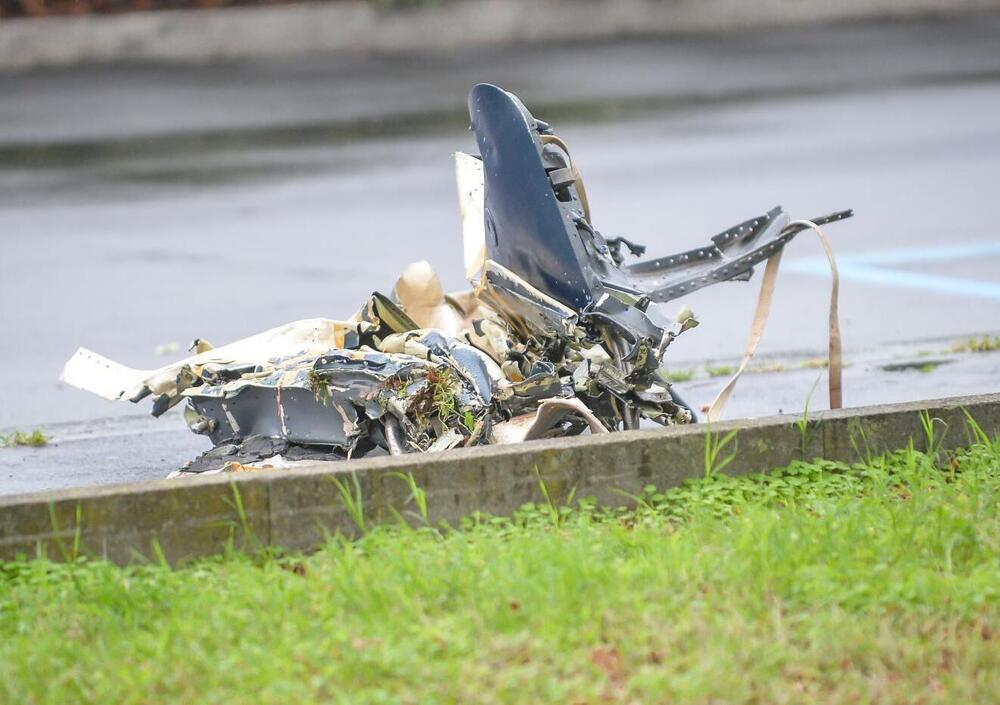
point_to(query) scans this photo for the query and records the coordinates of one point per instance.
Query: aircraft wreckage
(557, 336)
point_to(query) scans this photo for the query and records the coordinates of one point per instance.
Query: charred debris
(561, 333)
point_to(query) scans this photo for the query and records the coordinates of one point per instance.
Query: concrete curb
(202, 35)
(297, 509)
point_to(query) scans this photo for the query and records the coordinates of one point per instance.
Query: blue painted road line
(899, 278)
(941, 253)
(869, 267)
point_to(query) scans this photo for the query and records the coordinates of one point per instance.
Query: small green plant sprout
(73, 552)
(320, 386)
(803, 425)
(353, 501)
(417, 495)
(556, 512)
(931, 441)
(984, 343)
(674, 376)
(719, 370)
(643, 501)
(442, 399)
(976, 432)
(35, 439)
(859, 440)
(714, 445)
(250, 539)
(816, 363)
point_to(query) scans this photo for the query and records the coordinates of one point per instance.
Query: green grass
(674, 376)
(35, 439)
(817, 583)
(983, 343)
(720, 370)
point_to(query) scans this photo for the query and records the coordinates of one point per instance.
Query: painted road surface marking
(875, 268)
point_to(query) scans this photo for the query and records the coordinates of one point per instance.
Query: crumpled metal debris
(558, 335)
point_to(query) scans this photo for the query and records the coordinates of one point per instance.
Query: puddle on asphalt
(915, 366)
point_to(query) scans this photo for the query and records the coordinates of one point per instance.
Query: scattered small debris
(558, 335)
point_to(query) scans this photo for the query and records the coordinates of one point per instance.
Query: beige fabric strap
(577, 177)
(760, 320)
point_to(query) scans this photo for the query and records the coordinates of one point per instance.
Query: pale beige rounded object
(419, 292)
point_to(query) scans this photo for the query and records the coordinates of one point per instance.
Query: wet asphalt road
(146, 205)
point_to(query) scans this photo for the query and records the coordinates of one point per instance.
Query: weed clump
(674, 376)
(35, 439)
(983, 343)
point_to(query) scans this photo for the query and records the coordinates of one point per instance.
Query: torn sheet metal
(92, 372)
(558, 336)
